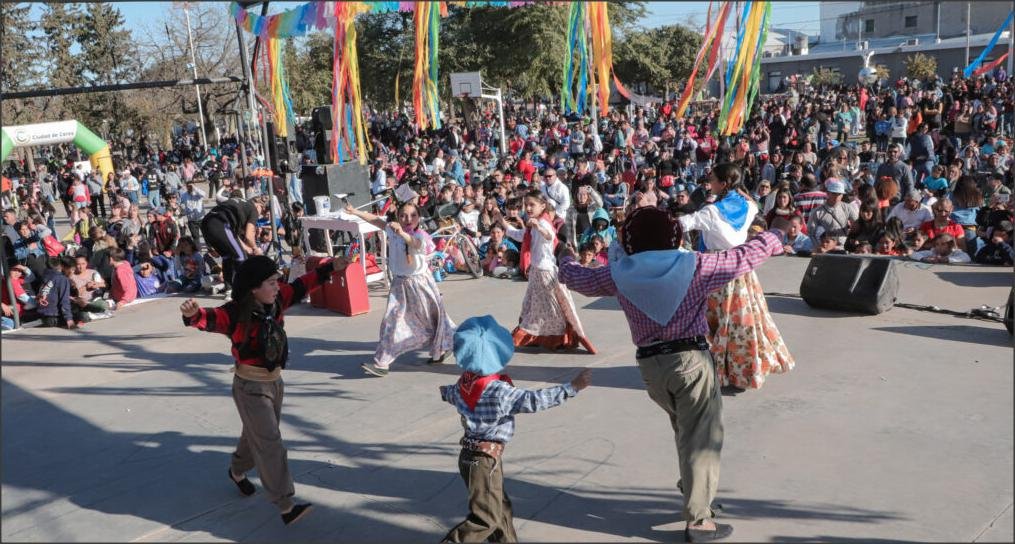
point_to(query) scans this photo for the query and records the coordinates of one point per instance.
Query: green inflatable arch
(57, 133)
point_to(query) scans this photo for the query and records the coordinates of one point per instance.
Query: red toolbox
(346, 293)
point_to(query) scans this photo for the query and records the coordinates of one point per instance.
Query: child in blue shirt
(488, 402)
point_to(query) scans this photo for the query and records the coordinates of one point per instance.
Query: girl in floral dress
(415, 317)
(744, 339)
(548, 316)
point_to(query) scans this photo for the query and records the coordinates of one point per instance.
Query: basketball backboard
(466, 84)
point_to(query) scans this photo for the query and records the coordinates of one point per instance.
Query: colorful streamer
(988, 67)
(743, 70)
(425, 100)
(348, 133)
(602, 54)
(282, 104)
(986, 51)
(576, 61)
(709, 44)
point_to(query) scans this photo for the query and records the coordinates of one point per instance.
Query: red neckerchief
(525, 255)
(472, 385)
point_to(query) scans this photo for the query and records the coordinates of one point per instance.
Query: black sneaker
(245, 486)
(438, 360)
(720, 532)
(296, 513)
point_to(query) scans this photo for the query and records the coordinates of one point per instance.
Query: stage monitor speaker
(850, 283)
(321, 123)
(328, 179)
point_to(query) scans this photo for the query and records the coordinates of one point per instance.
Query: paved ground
(895, 427)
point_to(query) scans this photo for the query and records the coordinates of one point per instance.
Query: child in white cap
(488, 402)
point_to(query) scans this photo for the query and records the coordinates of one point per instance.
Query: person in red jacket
(253, 320)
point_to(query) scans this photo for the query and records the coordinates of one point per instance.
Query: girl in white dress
(548, 316)
(415, 317)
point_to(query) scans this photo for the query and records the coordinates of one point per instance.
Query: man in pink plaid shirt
(663, 290)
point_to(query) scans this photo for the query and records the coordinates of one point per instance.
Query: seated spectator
(888, 245)
(942, 224)
(24, 300)
(997, 250)
(859, 247)
(55, 294)
(600, 227)
(123, 287)
(188, 265)
(797, 243)
(493, 252)
(147, 280)
(911, 212)
(28, 250)
(867, 225)
(587, 256)
(828, 242)
(87, 287)
(944, 252)
(809, 198)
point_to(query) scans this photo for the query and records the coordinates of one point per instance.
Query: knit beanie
(482, 346)
(251, 274)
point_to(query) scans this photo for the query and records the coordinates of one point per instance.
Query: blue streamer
(993, 41)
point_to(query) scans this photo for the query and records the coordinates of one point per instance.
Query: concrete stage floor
(895, 427)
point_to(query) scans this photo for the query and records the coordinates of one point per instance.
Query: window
(774, 81)
(910, 21)
(868, 25)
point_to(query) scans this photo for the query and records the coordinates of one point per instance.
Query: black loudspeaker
(283, 156)
(321, 123)
(328, 179)
(850, 283)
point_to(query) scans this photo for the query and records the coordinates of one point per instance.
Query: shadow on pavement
(994, 336)
(1001, 278)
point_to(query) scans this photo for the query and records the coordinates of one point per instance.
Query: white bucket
(323, 204)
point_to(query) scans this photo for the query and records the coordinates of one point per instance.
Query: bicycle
(457, 246)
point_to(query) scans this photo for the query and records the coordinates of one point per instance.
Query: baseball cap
(833, 185)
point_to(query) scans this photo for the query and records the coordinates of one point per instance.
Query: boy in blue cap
(488, 402)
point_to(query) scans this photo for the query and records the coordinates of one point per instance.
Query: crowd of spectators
(911, 169)
(136, 236)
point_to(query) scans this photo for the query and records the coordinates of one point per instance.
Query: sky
(802, 16)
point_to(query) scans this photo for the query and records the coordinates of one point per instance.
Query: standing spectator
(809, 198)
(897, 170)
(131, 186)
(557, 194)
(833, 217)
(192, 201)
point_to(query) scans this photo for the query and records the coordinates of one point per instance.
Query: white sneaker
(229, 295)
(103, 315)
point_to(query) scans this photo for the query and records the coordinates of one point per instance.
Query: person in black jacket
(231, 228)
(55, 294)
(254, 323)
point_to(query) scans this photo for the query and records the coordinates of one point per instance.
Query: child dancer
(488, 402)
(548, 316)
(744, 339)
(253, 321)
(415, 317)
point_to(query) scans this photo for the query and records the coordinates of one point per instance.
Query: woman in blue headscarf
(743, 337)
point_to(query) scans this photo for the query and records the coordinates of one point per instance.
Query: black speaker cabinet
(850, 283)
(321, 123)
(328, 179)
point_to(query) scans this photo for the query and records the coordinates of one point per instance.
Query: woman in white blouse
(744, 340)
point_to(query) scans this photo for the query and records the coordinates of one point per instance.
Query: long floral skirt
(415, 318)
(549, 319)
(744, 340)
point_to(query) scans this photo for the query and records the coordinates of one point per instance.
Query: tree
(920, 66)
(108, 56)
(60, 66)
(19, 54)
(882, 72)
(656, 56)
(825, 77)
